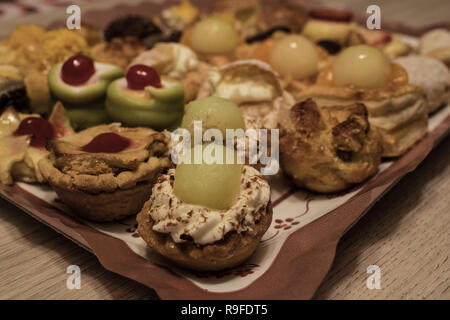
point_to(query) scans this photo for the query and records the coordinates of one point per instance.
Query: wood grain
(406, 233)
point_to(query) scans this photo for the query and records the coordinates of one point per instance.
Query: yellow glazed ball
(295, 56)
(213, 37)
(361, 66)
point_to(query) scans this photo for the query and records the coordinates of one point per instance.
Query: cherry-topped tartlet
(108, 142)
(80, 84)
(106, 172)
(38, 128)
(23, 138)
(142, 98)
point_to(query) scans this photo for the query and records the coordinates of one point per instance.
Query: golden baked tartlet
(106, 172)
(397, 109)
(207, 217)
(328, 149)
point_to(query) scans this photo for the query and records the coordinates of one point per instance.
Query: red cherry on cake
(40, 129)
(108, 142)
(77, 70)
(140, 76)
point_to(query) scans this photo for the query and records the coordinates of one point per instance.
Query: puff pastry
(398, 111)
(328, 149)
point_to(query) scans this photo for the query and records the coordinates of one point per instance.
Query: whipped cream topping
(242, 90)
(184, 60)
(185, 221)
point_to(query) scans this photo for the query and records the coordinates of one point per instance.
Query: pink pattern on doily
(240, 271)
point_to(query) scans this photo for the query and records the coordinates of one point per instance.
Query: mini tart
(105, 186)
(397, 111)
(328, 149)
(176, 62)
(19, 156)
(85, 103)
(431, 75)
(232, 240)
(254, 87)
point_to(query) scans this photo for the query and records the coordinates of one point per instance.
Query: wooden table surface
(406, 233)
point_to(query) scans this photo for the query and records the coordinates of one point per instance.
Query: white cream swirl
(200, 224)
(184, 60)
(245, 81)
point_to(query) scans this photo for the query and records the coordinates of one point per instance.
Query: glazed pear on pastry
(397, 109)
(207, 217)
(328, 149)
(253, 86)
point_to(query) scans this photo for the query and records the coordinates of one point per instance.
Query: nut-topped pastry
(328, 149)
(22, 142)
(397, 109)
(176, 62)
(254, 87)
(207, 216)
(106, 172)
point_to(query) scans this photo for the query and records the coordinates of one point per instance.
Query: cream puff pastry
(328, 149)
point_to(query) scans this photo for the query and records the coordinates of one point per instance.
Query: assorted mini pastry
(176, 62)
(106, 172)
(142, 98)
(255, 21)
(22, 143)
(207, 216)
(80, 84)
(328, 148)
(342, 96)
(254, 87)
(397, 109)
(334, 29)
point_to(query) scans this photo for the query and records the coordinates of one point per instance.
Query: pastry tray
(291, 261)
